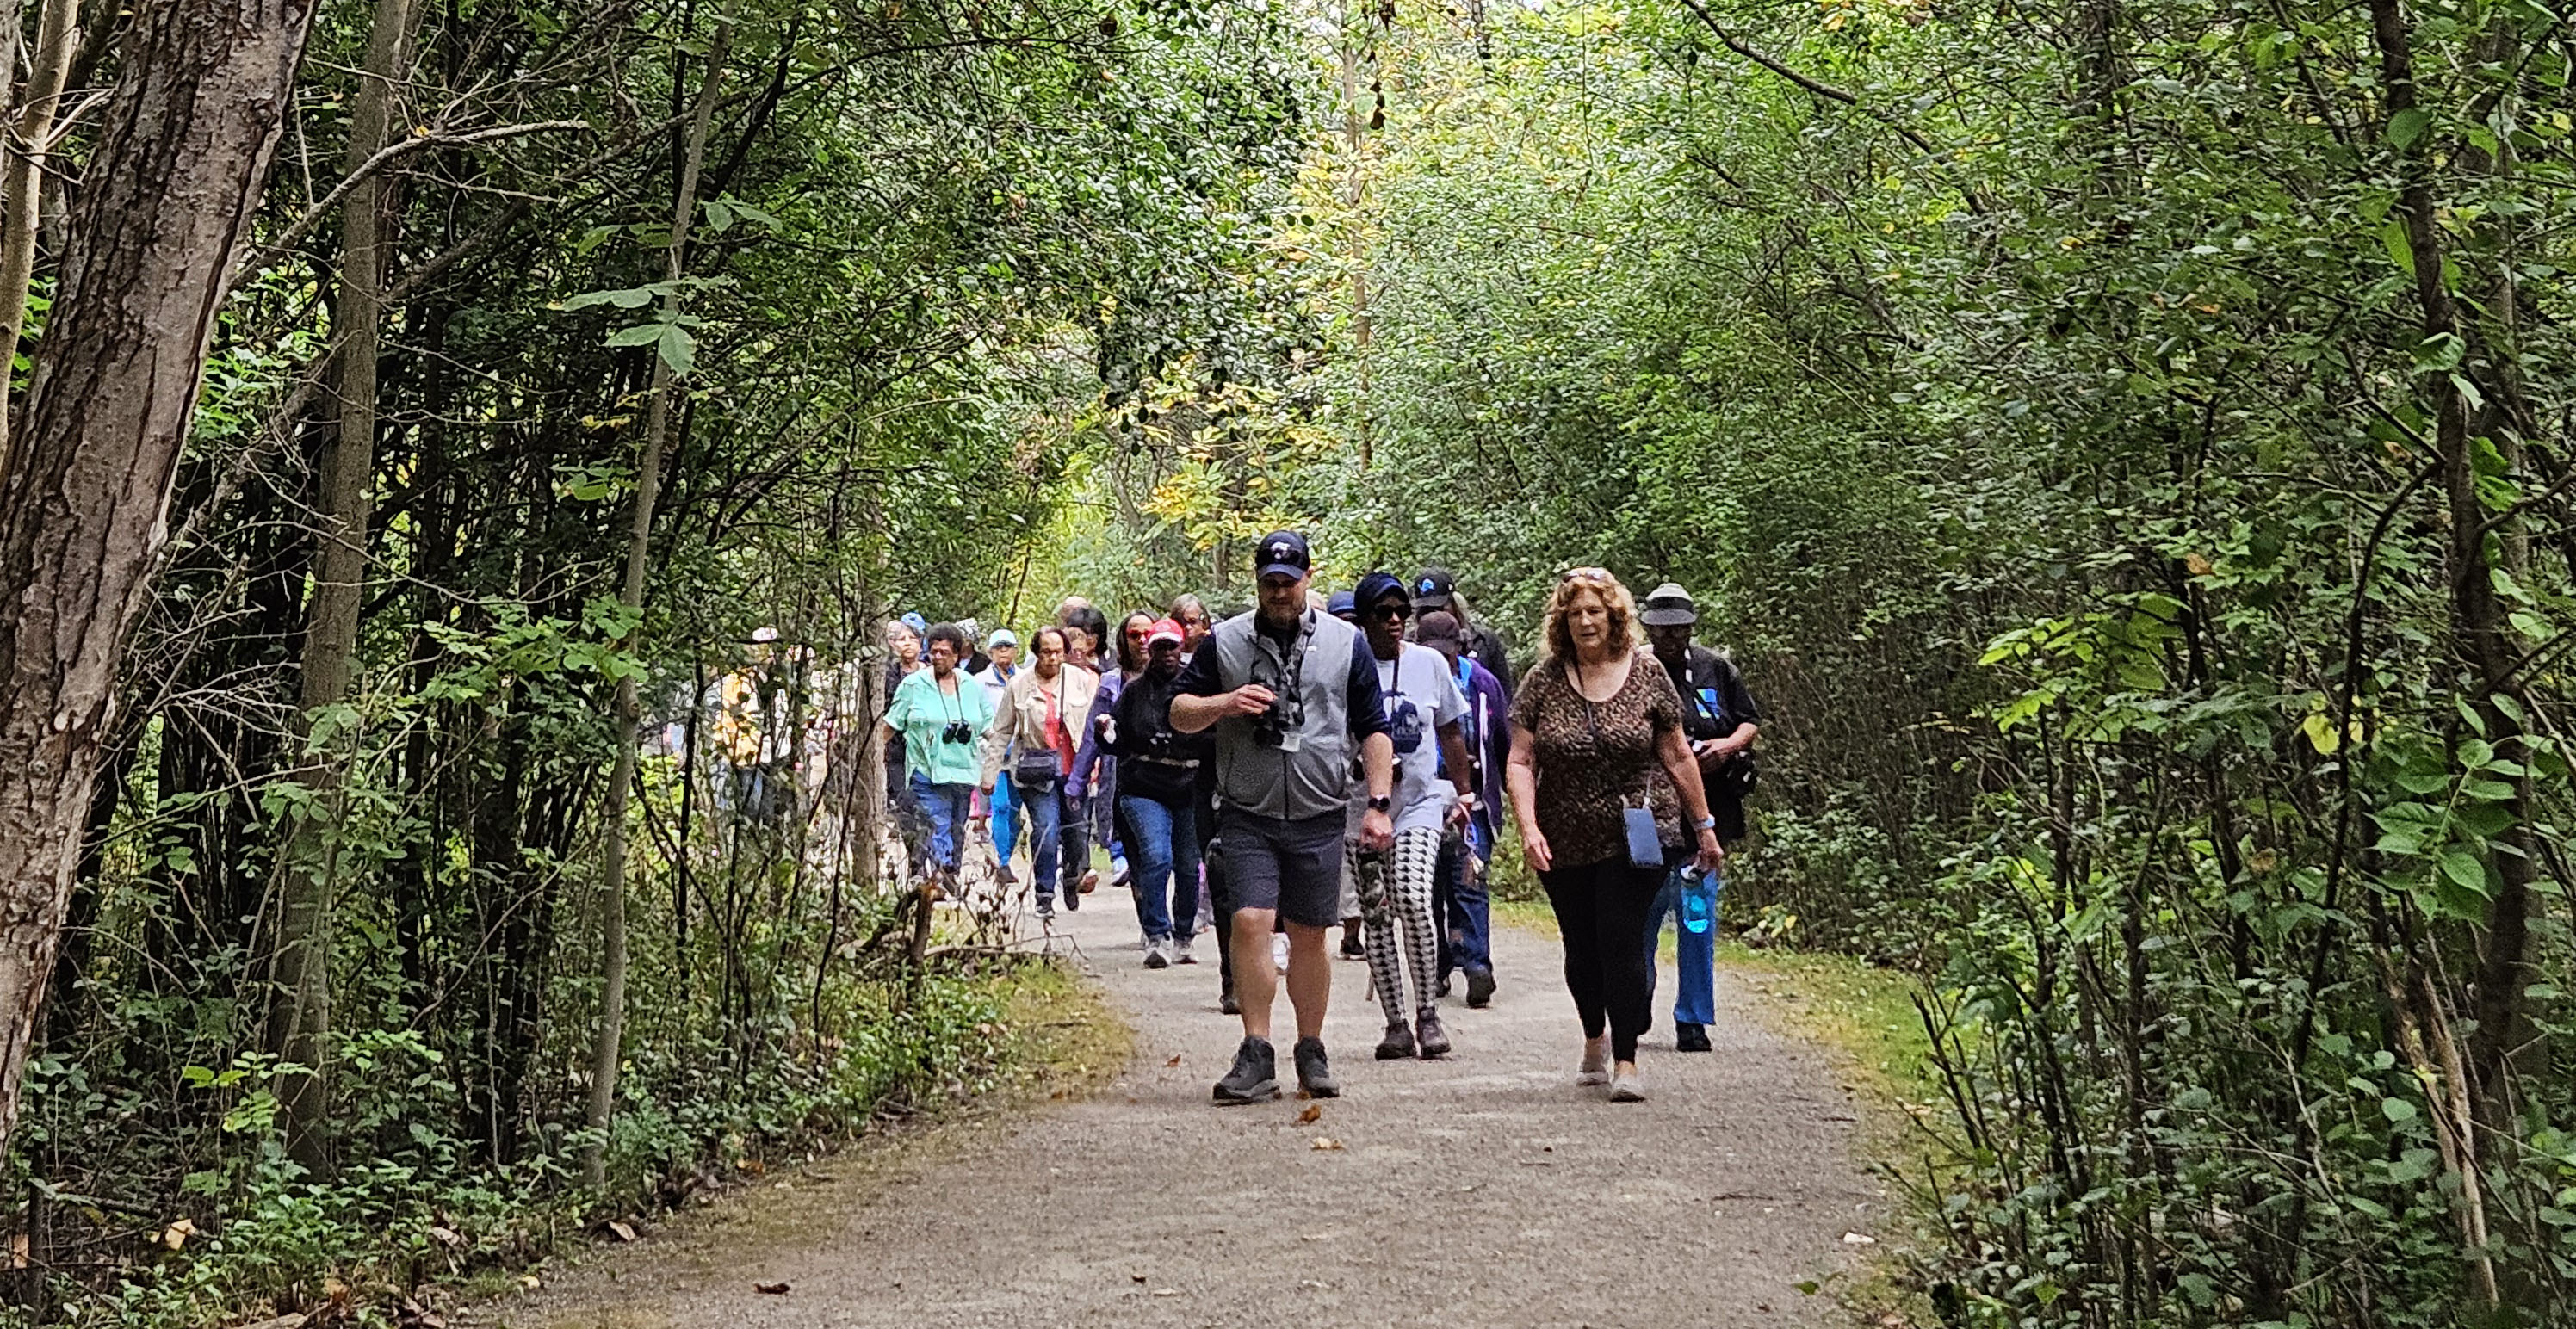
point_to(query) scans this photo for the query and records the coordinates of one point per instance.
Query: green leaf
(2405, 127)
(2397, 1110)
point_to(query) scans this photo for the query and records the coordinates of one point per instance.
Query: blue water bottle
(1699, 900)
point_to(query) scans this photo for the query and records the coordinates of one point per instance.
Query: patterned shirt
(1594, 759)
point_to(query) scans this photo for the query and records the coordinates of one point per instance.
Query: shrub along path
(1485, 1189)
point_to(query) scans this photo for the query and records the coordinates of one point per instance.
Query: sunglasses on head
(1587, 574)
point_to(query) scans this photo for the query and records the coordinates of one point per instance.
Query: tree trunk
(22, 180)
(300, 1014)
(168, 196)
(607, 1048)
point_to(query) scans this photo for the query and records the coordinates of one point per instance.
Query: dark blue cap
(1282, 553)
(1377, 586)
(1342, 604)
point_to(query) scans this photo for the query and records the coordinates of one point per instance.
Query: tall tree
(166, 199)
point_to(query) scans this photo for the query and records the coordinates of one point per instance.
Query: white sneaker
(1158, 953)
(1181, 953)
(1279, 953)
(1627, 1087)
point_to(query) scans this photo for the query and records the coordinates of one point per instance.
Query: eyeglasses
(1398, 612)
(1135, 634)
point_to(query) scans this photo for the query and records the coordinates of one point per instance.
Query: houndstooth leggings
(1395, 892)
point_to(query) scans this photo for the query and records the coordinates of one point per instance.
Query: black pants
(1601, 911)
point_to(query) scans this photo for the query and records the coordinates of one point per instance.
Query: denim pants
(1460, 908)
(1695, 953)
(948, 806)
(1163, 859)
(1043, 809)
(1006, 820)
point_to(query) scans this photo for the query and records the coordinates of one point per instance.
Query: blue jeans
(948, 806)
(1460, 907)
(1044, 810)
(1694, 952)
(1163, 852)
(1006, 821)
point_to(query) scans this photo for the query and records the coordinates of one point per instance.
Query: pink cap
(1163, 630)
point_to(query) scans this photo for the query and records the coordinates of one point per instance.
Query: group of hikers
(1345, 760)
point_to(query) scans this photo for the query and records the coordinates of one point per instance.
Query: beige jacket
(1019, 723)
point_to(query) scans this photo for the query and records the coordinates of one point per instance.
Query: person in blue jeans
(1721, 722)
(1460, 906)
(1157, 799)
(939, 715)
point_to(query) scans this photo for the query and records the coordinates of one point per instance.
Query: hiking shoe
(1155, 956)
(1435, 1040)
(1313, 1074)
(1181, 952)
(1480, 989)
(1627, 1087)
(1003, 874)
(1046, 912)
(1690, 1038)
(1398, 1042)
(1352, 947)
(1255, 1076)
(1073, 899)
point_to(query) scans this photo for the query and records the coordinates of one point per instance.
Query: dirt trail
(1484, 1189)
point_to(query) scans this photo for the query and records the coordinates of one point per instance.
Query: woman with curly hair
(1603, 783)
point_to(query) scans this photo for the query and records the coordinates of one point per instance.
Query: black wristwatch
(1381, 803)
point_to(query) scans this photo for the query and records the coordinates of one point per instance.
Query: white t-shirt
(1420, 696)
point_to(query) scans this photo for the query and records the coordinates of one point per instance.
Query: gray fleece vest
(1316, 779)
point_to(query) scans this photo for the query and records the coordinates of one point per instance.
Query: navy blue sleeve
(1199, 678)
(1366, 704)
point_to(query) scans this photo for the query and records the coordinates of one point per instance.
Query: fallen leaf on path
(1175, 1061)
(1326, 1142)
(176, 1235)
(1313, 1113)
(772, 1289)
(528, 1282)
(1167, 1292)
(1858, 1239)
(620, 1230)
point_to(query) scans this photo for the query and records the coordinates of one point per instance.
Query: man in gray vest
(1290, 696)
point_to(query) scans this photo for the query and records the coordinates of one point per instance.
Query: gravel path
(1481, 1190)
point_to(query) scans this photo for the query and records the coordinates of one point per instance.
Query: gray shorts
(1294, 867)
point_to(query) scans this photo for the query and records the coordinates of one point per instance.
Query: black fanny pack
(1036, 770)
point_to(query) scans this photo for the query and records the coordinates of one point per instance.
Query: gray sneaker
(1434, 1039)
(1398, 1043)
(1158, 953)
(1313, 1074)
(1181, 953)
(1255, 1076)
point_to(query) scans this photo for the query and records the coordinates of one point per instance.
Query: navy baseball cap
(1377, 586)
(1282, 553)
(1342, 605)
